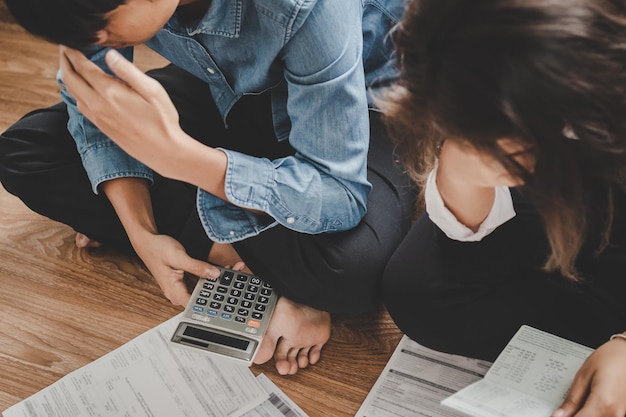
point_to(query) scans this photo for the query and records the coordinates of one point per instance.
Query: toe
(285, 358)
(303, 357)
(83, 241)
(314, 354)
(266, 350)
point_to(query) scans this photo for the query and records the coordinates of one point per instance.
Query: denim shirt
(323, 62)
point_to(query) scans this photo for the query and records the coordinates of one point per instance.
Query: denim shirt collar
(223, 18)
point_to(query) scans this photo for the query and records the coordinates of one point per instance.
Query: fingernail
(559, 413)
(113, 56)
(212, 273)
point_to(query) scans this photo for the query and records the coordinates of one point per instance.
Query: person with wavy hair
(511, 116)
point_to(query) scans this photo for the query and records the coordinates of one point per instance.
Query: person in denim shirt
(254, 149)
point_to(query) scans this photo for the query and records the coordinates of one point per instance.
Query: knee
(347, 287)
(33, 146)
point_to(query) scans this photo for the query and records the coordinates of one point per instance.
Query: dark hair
(537, 71)
(69, 22)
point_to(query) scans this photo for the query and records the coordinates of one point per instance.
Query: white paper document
(277, 405)
(147, 377)
(416, 379)
(530, 378)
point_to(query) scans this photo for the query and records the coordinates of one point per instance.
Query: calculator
(227, 316)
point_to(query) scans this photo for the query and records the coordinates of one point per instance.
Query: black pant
(337, 272)
(470, 298)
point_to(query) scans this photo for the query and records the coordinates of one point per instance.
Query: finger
(239, 266)
(596, 406)
(575, 398)
(88, 71)
(176, 290)
(198, 268)
(135, 78)
(78, 87)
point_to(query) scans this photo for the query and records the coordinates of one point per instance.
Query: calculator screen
(220, 339)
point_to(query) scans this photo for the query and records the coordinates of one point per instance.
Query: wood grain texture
(5, 16)
(62, 307)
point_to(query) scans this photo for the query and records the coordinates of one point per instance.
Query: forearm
(130, 198)
(195, 163)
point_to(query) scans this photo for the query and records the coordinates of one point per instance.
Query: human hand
(599, 388)
(133, 110)
(136, 112)
(167, 260)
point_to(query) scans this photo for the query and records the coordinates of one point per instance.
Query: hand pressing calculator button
(227, 316)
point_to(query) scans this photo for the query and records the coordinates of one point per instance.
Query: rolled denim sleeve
(102, 159)
(323, 187)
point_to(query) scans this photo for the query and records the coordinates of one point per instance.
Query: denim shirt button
(290, 220)
(210, 70)
(232, 233)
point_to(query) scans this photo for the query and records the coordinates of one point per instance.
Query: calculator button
(235, 293)
(253, 288)
(259, 307)
(263, 299)
(254, 323)
(229, 308)
(257, 316)
(208, 285)
(215, 305)
(266, 285)
(240, 319)
(227, 316)
(222, 290)
(242, 278)
(246, 304)
(243, 312)
(232, 300)
(200, 318)
(227, 278)
(255, 281)
(211, 313)
(201, 301)
(205, 294)
(218, 297)
(249, 296)
(198, 309)
(239, 285)
(266, 292)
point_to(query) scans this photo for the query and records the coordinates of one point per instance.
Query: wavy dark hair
(538, 71)
(73, 23)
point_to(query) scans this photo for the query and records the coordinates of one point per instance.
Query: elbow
(355, 208)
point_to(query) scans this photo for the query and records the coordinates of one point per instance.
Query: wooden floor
(61, 307)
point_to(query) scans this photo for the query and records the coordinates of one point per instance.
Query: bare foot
(294, 337)
(296, 333)
(82, 241)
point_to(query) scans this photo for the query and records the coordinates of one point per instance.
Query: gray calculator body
(227, 316)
